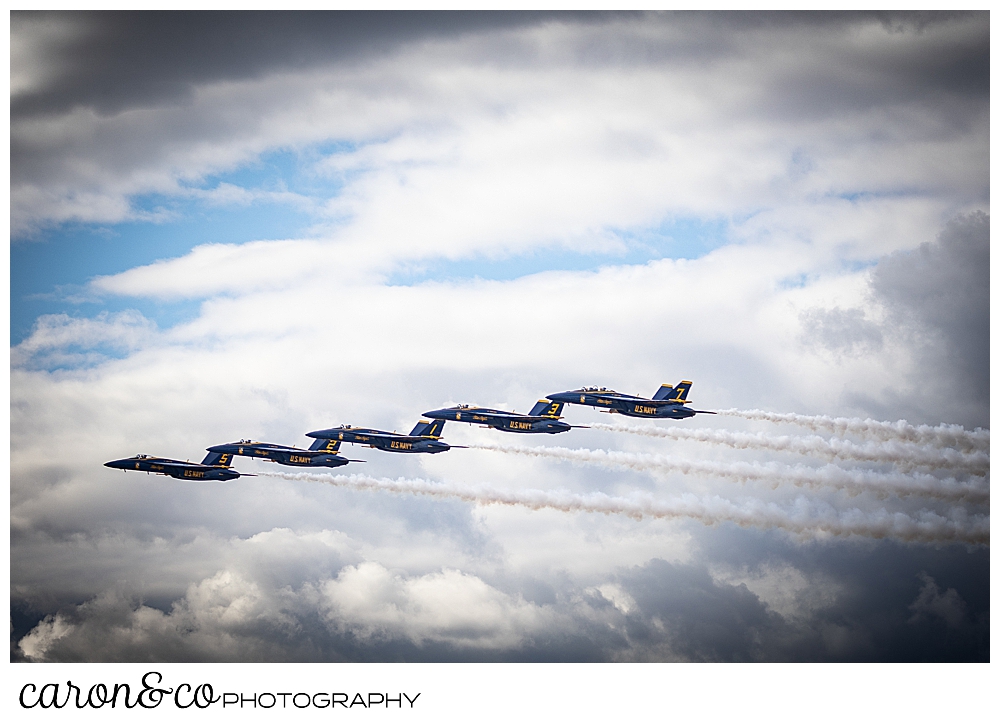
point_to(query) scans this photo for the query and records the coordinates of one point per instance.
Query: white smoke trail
(854, 481)
(904, 455)
(943, 435)
(926, 527)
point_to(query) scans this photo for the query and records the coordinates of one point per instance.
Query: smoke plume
(854, 481)
(926, 527)
(943, 435)
(905, 455)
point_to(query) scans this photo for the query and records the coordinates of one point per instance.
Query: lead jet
(215, 466)
(322, 453)
(667, 403)
(542, 419)
(425, 437)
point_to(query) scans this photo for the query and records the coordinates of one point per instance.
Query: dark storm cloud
(917, 59)
(696, 618)
(891, 602)
(938, 295)
(916, 54)
(116, 60)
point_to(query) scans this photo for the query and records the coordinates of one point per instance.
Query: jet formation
(544, 418)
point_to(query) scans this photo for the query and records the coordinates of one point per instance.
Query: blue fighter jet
(322, 453)
(667, 403)
(215, 466)
(425, 437)
(542, 419)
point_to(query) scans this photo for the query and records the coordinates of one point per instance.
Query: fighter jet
(322, 453)
(543, 418)
(214, 466)
(667, 403)
(425, 437)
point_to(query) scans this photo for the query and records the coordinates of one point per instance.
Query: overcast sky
(231, 225)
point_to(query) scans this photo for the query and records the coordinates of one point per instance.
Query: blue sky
(52, 267)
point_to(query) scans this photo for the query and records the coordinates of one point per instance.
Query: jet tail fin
(428, 429)
(664, 392)
(546, 408)
(325, 445)
(680, 393)
(218, 459)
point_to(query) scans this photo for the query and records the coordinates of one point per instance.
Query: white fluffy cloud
(447, 606)
(56, 335)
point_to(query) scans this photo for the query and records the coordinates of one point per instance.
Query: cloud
(58, 339)
(447, 606)
(114, 61)
(525, 131)
(844, 331)
(232, 616)
(37, 643)
(655, 611)
(784, 588)
(938, 296)
(685, 612)
(221, 618)
(214, 269)
(931, 602)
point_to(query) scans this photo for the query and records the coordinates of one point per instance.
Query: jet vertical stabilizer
(218, 459)
(325, 445)
(428, 429)
(664, 392)
(680, 393)
(546, 408)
